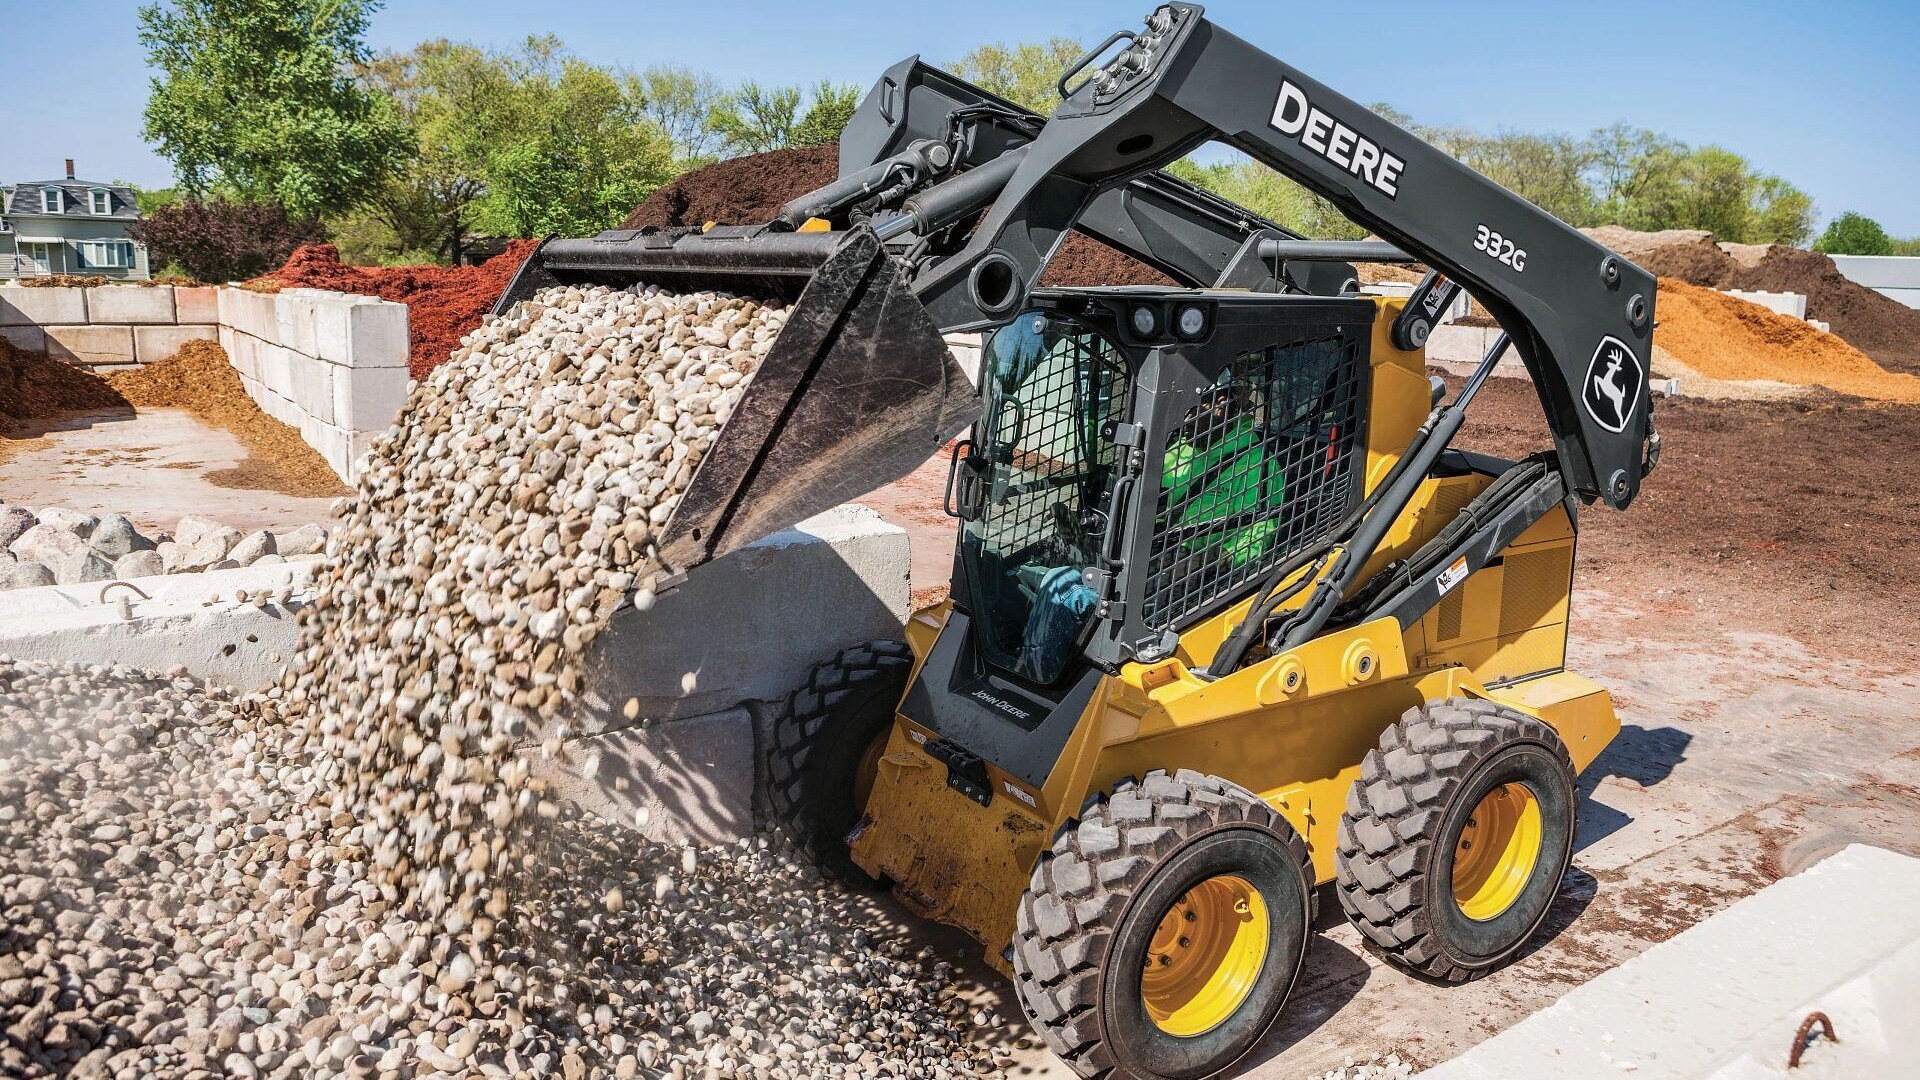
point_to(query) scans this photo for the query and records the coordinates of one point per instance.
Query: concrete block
(358, 443)
(23, 306)
(1792, 305)
(91, 345)
(293, 316)
(313, 389)
(335, 445)
(146, 305)
(226, 336)
(276, 368)
(686, 781)
(966, 351)
(25, 338)
(377, 335)
(151, 343)
(1723, 999)
(233, 644)
(195, 305)
(368, 399)
(242, 352)
(832, 581)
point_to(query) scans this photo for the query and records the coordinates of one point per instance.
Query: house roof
(24, 198)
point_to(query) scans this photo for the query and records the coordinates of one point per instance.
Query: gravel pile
(372, 881)
(57, 546)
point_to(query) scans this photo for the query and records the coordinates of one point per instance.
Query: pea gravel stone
(355, 873)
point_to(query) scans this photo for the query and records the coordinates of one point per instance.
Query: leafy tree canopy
(1026, 74)
(254, 98)
(1855, 234)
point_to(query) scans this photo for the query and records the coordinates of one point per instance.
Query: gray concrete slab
(152, 467)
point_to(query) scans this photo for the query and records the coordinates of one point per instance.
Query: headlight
(1192, 322)
(1145, 321)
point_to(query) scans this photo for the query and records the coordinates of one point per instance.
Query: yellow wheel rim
(869, 767)
(1498, 848)
(1205, 955)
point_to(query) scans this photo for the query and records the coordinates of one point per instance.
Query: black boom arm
(1580, 316)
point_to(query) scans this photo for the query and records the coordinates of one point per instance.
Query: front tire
(827, 741)
(1456, 837)
(1164, 930)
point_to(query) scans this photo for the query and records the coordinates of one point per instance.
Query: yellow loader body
(1292, 728)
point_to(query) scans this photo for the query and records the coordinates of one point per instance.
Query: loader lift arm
(1193, 236)
(1580, 316)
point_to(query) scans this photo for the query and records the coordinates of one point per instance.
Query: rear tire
(1456, 837)
(1164, 930)
(826, 739)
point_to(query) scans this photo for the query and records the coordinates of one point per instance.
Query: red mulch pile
(750, 190)
(444, 303)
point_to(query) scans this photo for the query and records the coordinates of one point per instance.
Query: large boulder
(115, 536)
(82, 568)
(15, 520)
(47, 543)
(251, 549)
(73, 521)
(204, 543)
(135, 564)
(305, 540)
(24, 575)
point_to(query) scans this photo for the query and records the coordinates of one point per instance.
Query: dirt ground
(1755, 615)
(154, 466)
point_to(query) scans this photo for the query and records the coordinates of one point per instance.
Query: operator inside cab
(1045, 476)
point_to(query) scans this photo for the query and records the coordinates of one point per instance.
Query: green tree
(1026, 74)
(1855, 234)
(756, 118)
(520, 142)
(151, 199)
(681, 101)
(255, 98)
(833, 105)
(1906, 247)
(1272, 196)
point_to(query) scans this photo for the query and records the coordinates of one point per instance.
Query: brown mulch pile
(200, 379)
(444, 303)
(1884, 329)
(1788, 516)
(36, 389)
(1877, 325)
(750, 190)
(1725, 337)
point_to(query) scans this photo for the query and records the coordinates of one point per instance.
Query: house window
(52, 201)
(102, 201)
(105, 254)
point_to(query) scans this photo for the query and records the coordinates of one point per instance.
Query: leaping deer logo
(1610, 386)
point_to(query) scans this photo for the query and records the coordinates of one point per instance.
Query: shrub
(224, 241)
(1854, 234)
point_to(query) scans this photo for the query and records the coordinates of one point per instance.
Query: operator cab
(1070, 552)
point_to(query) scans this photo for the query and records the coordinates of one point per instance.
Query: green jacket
(1242, 480)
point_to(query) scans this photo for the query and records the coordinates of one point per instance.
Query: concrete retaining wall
(1725, 998)
(1792, 305)
(331, 365)
(106, 327)
(706, 665)
(1894, 276)
(193, 620)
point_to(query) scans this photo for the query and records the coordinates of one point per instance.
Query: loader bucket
(858, 391)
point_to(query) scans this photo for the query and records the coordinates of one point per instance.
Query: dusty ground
(153, 467)
(1755, 616)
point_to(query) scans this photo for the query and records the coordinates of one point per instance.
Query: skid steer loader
(1230, 619)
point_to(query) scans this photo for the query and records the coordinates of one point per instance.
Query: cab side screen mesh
(1266, 464)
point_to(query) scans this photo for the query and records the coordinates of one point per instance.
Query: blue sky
(1825, 95)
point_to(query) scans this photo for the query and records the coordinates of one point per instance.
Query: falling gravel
(356, 873)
